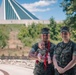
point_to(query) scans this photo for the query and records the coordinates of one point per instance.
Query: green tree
(69, 6)
(23, 33)
(53, 29)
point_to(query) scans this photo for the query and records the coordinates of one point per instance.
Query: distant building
(11, 12)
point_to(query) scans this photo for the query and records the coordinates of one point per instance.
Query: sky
(44, 9)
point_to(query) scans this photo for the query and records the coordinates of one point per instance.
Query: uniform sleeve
(52, 46)
(34, 48)
(54, 53)
(74, 50)
(55, 49)
(52, 50)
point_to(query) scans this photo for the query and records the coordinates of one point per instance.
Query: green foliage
(54, 29)
(31, 34)
(69, 6)
(4, 32)
(3, 38)
(28, 35)
(73, 35)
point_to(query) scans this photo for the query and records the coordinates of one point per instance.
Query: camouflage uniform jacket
(39, 68)
(64, 53)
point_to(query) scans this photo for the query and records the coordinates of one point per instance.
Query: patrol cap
(45, 31)
(65, 29)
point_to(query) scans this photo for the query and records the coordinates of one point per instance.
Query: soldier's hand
(60, 70)
(31, 55)
(49, 59)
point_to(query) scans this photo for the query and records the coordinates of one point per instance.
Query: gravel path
(14, 70)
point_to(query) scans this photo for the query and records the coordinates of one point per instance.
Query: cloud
(40, 6)
(40, 10)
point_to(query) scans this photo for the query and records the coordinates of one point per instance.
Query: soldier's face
(45, 37)
(65, 35)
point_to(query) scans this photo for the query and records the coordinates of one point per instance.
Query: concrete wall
(27, 22)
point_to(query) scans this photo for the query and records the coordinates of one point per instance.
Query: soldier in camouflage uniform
(40, 66)
(65, 55)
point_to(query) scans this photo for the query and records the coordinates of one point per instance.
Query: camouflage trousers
(39, 69)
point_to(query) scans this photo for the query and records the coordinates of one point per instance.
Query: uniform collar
(66, 44)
